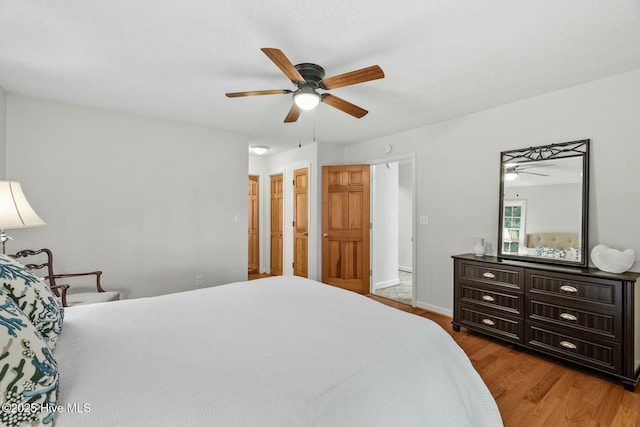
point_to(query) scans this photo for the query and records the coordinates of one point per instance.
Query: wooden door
(345, 227)
(276, 224)
(254, 247)
(300, 222)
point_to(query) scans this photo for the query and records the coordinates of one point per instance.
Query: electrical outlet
(199, 280)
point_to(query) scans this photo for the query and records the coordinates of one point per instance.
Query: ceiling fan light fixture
(306, 98)
(510, 176)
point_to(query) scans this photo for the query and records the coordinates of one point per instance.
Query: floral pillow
(28, 371)
(33, 296)
(551, 252)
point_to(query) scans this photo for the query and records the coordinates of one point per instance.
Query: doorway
(392, 212)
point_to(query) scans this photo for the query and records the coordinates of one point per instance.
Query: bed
(281, 351)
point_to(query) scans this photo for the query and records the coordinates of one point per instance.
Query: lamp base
(3, 240)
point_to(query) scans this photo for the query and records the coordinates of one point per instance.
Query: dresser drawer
(491, 322)
(574, 290)
(510, 278)
(580, 315)
(583, 322)
(489, 297)
(603, 355)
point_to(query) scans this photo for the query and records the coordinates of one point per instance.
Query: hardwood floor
(254, 276)
(532, 390)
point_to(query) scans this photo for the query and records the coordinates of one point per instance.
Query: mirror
(544, 204)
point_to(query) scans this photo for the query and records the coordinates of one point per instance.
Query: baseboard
(405, 269)
(386, 284)
(435, 309)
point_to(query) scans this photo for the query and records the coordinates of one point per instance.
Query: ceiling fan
(308, 78)
(512, 171)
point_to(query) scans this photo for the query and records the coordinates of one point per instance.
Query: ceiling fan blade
(257, 92)
(282, 62)
(532, 173)
(534, 166)
(354, 77)
(344, 106)
(293, 114)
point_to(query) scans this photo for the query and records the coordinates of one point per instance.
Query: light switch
(424, 220)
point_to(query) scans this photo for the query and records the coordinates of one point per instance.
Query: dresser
(581, 315)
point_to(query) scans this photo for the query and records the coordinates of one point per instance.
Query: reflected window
(513, 226)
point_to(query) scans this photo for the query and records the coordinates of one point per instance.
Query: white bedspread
(281, 351)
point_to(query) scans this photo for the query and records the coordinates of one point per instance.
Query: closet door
(276, 224)
(301, 222)
(253, 232)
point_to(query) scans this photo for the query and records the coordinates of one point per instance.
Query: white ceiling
(442, 58)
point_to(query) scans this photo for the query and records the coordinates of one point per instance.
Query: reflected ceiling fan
(512, 171)
(308, 78)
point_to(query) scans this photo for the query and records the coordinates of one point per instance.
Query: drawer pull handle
(569, 345)
(567, 316)
(489, 275)
(568, 288)
(488, 298)
(488, 322)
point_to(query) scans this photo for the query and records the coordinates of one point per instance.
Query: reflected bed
(558, 245)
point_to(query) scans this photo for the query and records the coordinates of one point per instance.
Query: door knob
(325, 235)
(305, 234)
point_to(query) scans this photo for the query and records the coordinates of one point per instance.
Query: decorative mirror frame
(554, 151)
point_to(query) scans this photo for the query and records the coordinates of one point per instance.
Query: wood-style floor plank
(533, 390)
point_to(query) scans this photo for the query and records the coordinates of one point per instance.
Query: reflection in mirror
(543, 208)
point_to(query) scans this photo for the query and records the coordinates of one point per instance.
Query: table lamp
(15, 210)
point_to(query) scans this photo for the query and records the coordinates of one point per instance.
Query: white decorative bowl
(612, 260)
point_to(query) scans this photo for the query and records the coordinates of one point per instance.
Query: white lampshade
(306, 98)
(15, 210)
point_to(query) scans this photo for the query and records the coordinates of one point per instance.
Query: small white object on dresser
(612, 260)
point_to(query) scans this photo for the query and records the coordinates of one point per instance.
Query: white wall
(405, 216)
(385, 218)
(550, 208)
(458, 171)
(151, 203)
(3, 133)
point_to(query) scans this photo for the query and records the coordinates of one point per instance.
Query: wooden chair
(61, 291)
